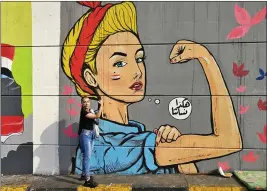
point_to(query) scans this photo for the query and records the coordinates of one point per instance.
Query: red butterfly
(263, 136)
(262, 105)
(244, 19)
(224, 165)
(239, 70)
(250, 157)
(69, 132)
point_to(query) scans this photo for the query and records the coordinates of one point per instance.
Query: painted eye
(119, 64)
(140, 60)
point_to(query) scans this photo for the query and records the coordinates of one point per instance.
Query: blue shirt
(123, 149)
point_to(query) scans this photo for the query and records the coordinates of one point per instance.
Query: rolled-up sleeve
(122, 153)
(149, 152)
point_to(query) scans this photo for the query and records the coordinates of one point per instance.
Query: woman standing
(87, 137)
(108, 60)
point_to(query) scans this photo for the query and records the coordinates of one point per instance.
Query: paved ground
(177, 182)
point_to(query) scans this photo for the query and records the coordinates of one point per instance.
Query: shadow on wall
(64, 150)
(67, 148)
(19, 161)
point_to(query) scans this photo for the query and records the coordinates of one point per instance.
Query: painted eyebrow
(140, 49)
(119, 54)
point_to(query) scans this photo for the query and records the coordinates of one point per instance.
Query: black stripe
(6, 72)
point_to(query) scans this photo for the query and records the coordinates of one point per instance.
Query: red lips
(137, 86)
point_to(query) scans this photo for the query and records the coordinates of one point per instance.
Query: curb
(112, 187)
(15, 188)
(159, 189)
(215, 188)
(126, 187)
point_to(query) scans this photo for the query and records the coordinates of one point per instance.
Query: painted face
(121, 69)
(86, 103)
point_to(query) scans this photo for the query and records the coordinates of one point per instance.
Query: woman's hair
(118, 18)
(82, 98)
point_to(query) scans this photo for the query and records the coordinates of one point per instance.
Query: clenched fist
(167, 134)
(185, 50)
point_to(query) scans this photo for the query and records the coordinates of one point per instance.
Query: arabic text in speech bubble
(180, 108)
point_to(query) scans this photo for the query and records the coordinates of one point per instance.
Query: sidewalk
(177, 182)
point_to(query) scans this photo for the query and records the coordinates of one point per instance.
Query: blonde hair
(118, 18)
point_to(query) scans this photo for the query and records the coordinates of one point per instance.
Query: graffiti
(12, 118)
(180, 108)
(157, 101)
(67, 90)
(250, 157)
(239, 70)
(262, 105)
(262, 74)
(243, 109)
(16, 88)
(69, 132)
(72, 112)
(224, 165)
(123, 69)
(71, 101)
(241, 89)
(170, 105)
(263, 136)
(246, 22)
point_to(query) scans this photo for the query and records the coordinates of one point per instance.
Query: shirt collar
(107, 126)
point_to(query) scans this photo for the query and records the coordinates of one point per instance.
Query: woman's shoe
(83, 177)
(91, 183)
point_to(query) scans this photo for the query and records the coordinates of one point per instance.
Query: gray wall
(160, 25)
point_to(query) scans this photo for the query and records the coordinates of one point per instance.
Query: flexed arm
(226, 137)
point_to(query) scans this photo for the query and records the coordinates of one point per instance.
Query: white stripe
(6, 63)
(45, 72)
(4, 138)
(154, 0)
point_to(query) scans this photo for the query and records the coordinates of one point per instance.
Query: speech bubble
(157, 101)
(180, 108)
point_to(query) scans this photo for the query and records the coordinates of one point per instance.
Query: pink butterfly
(241, 89)
(79, 105)
(69, 132)
(72, 112)
(243, 109)
(245, 21)
(71, 100)
(224, 165)
(67, 90)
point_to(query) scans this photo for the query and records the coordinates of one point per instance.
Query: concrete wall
(47, 106)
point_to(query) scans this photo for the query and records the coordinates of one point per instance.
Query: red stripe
(89, 27)
(7, 51)
(91, 4)
(11, 124)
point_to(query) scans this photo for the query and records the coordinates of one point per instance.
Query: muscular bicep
(91, 116)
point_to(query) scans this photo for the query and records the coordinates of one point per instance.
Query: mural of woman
(103, 56)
